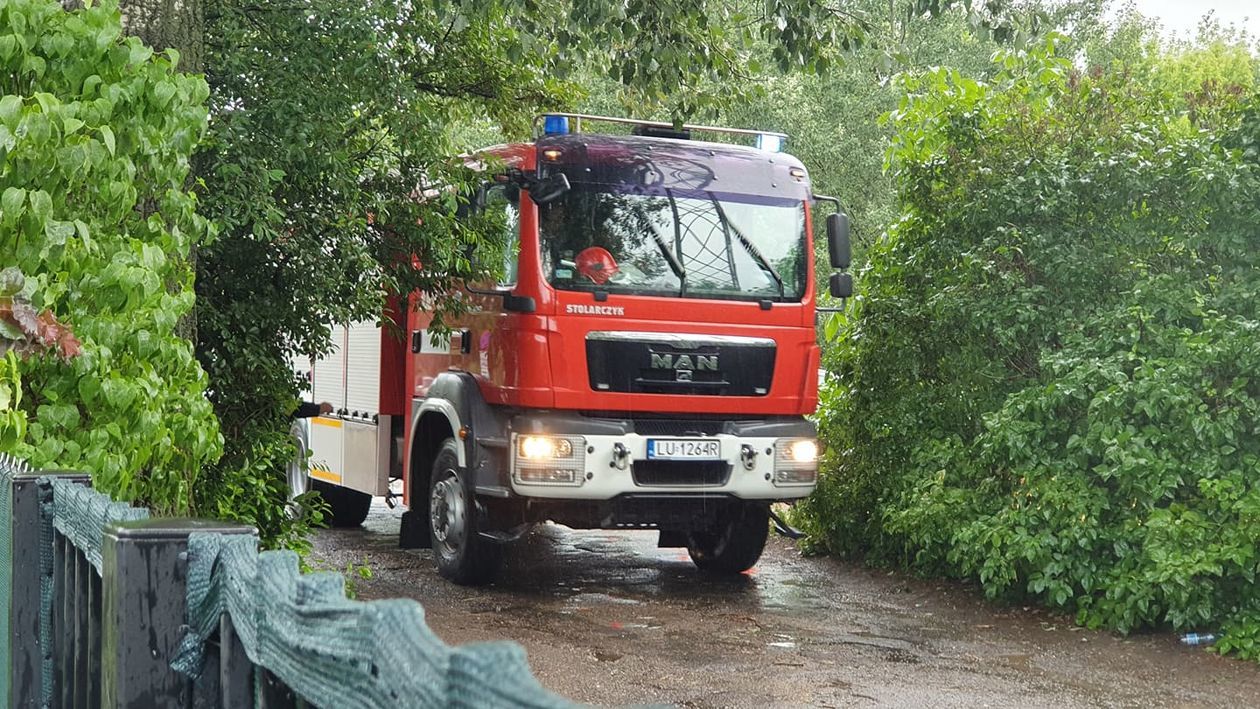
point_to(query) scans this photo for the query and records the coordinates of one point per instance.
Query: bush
(95, 134)
(1047, 382)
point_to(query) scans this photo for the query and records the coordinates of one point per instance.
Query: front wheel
(735, 542)
(462, 555)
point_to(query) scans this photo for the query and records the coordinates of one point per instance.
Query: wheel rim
(297, 480)
(448, 514)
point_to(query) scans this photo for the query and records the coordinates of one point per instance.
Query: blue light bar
(556, 125)
(769, 142)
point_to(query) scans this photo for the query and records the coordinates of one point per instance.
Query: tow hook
(784, 528)
(748, 456)
(621, 456)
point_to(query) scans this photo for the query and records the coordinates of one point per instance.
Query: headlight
(795, 461)
(543, 447)
(804, 451)
(550, 460)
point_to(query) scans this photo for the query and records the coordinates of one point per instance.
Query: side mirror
(549, 189)
(841, 285)
(838, 245)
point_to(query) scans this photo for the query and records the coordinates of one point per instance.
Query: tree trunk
(169, 23)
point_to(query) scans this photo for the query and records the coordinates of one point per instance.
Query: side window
(503, 206)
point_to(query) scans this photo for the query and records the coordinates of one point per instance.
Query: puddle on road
(601, 599)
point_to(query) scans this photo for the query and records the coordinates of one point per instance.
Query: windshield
(690, 243)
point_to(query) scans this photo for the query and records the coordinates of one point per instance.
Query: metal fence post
(144, 589)
(28, 568)
(236, 673)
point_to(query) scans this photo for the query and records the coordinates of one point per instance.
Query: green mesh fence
(81, 513)
(334, 652)
(331, 651)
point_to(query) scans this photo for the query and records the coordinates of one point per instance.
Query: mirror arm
(511, 302)
(824, 198)
(523, 180)
(518, 177)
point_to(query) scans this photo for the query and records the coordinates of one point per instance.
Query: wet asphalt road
(607, 618)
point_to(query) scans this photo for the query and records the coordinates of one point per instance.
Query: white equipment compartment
(363, 369)
(351, 446)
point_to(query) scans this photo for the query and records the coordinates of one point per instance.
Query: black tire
(347, 508)
(460, 553)
(735, 543)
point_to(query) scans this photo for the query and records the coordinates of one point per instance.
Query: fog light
(795, 477)
(548, 475)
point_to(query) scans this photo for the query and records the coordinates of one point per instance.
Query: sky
(1181, 17)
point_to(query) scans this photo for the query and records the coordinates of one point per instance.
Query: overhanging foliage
(95, 133)
(1048, 383)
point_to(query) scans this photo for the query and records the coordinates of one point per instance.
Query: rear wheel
(297, 472)
(735, 542)
(460, 552)
(347, 508)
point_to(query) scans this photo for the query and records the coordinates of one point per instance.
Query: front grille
(677, 473)
(671, 427)
(663, 363)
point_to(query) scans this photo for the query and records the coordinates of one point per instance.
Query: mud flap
(506, 536)
(784, 528)
(671, 538)
(414, 533)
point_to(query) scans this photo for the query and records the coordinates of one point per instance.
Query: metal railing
(103, 606)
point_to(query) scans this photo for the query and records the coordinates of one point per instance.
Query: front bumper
(601, 466)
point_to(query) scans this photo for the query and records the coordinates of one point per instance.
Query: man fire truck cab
(647, 360)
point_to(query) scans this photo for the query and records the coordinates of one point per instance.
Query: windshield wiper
(747, 244)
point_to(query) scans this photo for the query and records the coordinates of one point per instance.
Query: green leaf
(11, 281)
(138, 53)
(107, 135)
(84, 233)
(163, 92)
(10, 331)
(8, 45)
(41, 204)
(11, 202)
(58, 232)
(10, 110)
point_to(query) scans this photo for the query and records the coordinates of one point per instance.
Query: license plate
(683, 449)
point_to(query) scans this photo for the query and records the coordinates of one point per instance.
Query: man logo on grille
(684, 366)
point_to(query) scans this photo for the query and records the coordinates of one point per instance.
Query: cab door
(480, 339)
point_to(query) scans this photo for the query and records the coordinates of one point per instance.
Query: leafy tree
(1046, 381)
(95, 133)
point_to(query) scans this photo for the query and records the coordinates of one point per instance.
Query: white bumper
(603, 473)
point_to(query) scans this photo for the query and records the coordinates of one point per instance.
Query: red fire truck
(647, 360)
